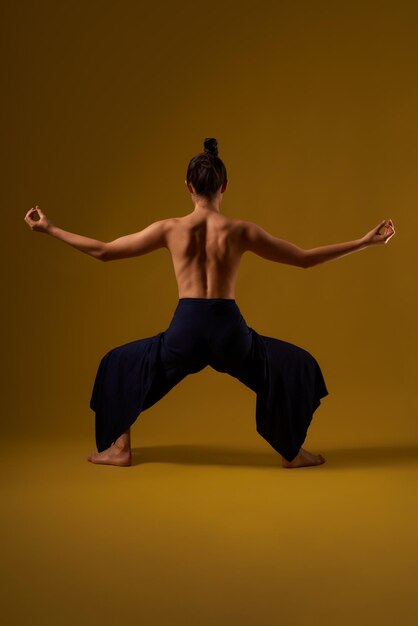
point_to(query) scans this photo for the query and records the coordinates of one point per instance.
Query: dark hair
(206, 171)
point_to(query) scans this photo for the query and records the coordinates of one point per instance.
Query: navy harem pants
(287, 379)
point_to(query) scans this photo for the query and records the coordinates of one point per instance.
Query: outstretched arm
(93, 247)
(136, 244)
(146, 240)
(262, 243)
(314, 256)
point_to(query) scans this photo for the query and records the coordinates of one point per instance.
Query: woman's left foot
(111, 456)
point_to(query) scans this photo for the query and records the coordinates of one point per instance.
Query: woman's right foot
(303, 459)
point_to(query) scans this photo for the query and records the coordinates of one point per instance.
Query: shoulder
(255, 238)
(234, 223)
(164, 225)
(247, 229)
(169, 223)
(157, 231)
(237, 228)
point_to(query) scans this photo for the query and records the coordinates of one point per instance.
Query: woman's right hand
(374, 237)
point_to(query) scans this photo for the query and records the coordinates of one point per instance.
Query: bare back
(206, 250)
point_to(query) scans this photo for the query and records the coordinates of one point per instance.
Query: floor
(208, 535)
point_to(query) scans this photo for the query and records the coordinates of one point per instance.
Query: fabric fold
(287, 379)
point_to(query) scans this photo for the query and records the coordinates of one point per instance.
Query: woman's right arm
(93, 247)
(264, 244)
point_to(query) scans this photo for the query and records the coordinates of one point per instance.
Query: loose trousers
(286, 379)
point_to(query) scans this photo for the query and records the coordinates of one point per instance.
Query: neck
(207, 205)
(212, 209)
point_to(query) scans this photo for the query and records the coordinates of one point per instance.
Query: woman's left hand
(375, 237)
(41, 225)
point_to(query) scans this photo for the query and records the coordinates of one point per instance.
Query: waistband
(207, 300)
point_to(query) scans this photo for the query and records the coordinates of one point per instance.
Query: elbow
(305, 261)
(103, 254)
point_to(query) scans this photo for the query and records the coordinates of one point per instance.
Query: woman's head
(206, 172)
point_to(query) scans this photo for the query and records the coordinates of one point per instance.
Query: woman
(207, 327)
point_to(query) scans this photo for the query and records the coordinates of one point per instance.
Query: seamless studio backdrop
(317, 133)
(314, 108)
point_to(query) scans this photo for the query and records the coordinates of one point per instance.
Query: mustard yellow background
(314, 105)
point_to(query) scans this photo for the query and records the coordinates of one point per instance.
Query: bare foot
(114, 455)
(303, 459)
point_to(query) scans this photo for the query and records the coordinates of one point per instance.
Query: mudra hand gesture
(42, 225)
(374, 237)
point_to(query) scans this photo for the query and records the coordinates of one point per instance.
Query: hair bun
(210, 146)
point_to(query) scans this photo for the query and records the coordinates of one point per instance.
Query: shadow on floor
(336, 458)
(194, 454)
(371, 456)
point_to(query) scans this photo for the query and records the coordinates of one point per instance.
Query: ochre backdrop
(315, 115)
(314, 108)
